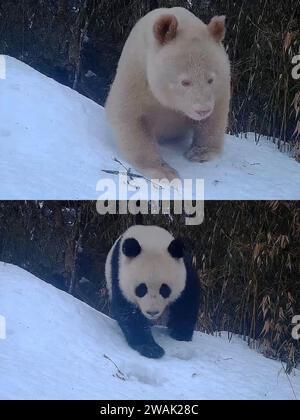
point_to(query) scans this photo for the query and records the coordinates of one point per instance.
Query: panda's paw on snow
(150, 351)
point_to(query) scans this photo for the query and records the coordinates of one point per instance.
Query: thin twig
(290, 382)
(120, 374)
(130, 175)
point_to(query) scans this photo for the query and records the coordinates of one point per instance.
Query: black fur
(176, 249)
(131, 248)
(184, 312)
(137, 328)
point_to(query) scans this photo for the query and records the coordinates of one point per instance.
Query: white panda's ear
(131, 248)
(165, 29)
(176, 249)
(217, 28)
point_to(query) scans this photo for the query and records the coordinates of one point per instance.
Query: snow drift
(57, 347)
(54, 144)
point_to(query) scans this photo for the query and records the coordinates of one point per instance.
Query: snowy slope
(54, 144)
(55, 349)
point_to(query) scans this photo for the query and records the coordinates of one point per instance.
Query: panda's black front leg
(184, 312)
(137, 331)
(140, 338)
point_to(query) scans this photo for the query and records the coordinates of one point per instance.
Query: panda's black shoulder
(115, 261)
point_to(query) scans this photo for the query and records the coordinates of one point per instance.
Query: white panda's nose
(153, 314)
(203, 111)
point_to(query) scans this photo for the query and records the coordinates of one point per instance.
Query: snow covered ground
(54, 144)
(55, 347)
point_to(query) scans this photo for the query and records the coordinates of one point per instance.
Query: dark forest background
(78, 42)
(247, 255)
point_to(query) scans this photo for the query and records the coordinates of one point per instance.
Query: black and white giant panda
(147, 271)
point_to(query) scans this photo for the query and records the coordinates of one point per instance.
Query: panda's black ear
(131, 248)
(176, 249)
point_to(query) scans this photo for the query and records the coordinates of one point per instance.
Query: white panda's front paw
(202, 154)
(163, 171)
(150, 351)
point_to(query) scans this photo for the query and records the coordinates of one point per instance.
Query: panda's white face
(153, 275)
(154, 300)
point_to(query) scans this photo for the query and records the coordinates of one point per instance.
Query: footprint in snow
(143, 374)
(183, 351)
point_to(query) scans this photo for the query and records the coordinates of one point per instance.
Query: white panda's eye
(165, 291)
(211, 81)
(186, 83)
(141, 290)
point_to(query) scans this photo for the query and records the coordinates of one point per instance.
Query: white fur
(154, 267)
(147, 101)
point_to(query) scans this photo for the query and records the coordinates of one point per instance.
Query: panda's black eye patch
(141, 290)
(131, 248)
(165, 291)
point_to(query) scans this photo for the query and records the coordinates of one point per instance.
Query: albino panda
(173, 81)
(146, 272)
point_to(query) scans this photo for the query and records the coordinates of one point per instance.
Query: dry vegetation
(247, 255)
